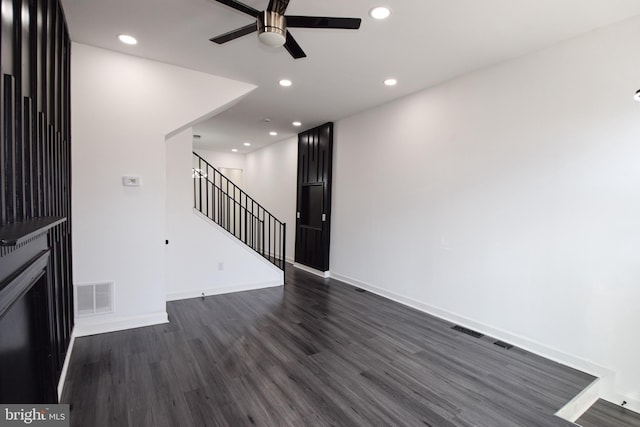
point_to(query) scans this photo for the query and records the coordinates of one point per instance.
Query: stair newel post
(220, 198)
(284, 243)
(200, 183)
(207, 185)
(245, 219)
(228, 207)
(213, 195)
(254, 242)
(269, 239)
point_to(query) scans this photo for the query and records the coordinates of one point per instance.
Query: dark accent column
(313, 223)
(35, 144)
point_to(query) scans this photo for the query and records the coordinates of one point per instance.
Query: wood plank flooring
(314, 353)
(606, 414)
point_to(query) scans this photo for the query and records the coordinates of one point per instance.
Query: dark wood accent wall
(313, 222)
(35, 138)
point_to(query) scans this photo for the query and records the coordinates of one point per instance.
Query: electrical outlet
(220, 266)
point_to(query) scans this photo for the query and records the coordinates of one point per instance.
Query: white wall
(123, 108)
(508, 199)
(202, 257)
(270, 178)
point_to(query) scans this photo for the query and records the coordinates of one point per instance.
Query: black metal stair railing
(226, 204)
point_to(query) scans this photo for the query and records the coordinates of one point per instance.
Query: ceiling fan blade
(293, 47)
(231, 35)
(278, 6)
(323, 22)
(240, 7)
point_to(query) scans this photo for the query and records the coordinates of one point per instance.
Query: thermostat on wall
(131, 181)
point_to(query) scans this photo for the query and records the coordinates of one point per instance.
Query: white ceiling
(423, 43)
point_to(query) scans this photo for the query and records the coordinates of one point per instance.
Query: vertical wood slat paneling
(35, 138)
(18, 163)
(3, 158)
(314, 170)
(8, 135)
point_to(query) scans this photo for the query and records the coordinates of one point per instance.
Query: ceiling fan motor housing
(272, 28)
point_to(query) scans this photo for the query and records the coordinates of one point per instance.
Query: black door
(315, 149)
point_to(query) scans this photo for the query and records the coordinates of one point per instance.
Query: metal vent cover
(94, 298)
(504, 345)
(467, 331)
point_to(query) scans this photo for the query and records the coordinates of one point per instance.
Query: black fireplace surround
(27, 372)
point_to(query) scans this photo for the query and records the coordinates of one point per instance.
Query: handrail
(239, 214)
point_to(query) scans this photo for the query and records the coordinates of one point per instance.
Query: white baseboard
(198, 293)
(606, 385)
(323, 274)
(102, 324)
(579, 404)
(65, 366)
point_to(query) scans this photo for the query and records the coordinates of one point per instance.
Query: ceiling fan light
(272, 38)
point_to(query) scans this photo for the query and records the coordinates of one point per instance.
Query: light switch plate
(131, 181)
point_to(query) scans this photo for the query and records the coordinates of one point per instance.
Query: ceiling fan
(271, 25)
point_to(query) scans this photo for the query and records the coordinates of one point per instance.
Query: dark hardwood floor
(606, 414)
(314, 353)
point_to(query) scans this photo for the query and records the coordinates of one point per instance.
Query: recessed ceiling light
(235, 150)
(127, 39)
(247, 144)
(380, 12)
(272, 133)
(637, 97)
(285, 83)
(296, 124)
(391, 82)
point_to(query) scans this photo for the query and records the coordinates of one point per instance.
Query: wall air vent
(504, 345)
(94, 298)
(467, 331)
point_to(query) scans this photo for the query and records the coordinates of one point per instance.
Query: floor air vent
(468, 331)
(504, 345)
(360, 290)
(93, 299)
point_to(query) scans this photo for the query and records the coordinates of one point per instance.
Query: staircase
(224, 203)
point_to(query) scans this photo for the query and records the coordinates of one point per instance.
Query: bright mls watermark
(34, 415)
